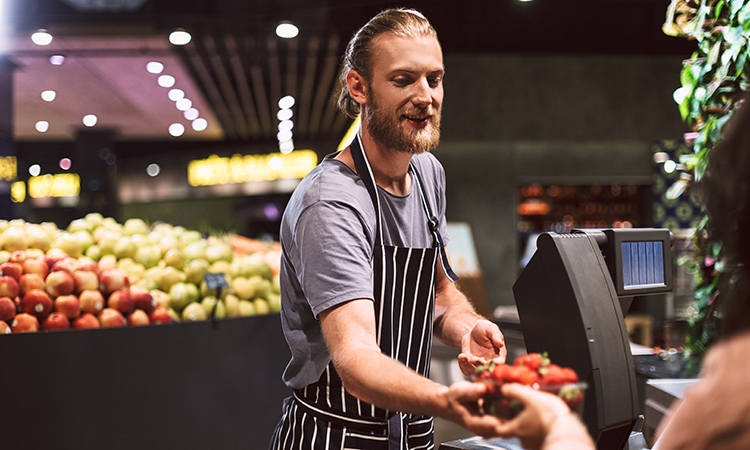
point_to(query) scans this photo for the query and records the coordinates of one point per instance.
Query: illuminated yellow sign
(242, 169)
(60, 185)
(18, 192)
(8, 168)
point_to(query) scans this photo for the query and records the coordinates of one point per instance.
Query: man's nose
(423, 93)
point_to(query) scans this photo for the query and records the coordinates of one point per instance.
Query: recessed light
(287, 30)
(154, 67)
(191, 114)
(166, 81)
(286, 102)
(179, 37)
(41, 37)
(176, 129)
(56, 60)
(183, 104)
(48, 95)
(176, 94)
(200, 124)
(42, 126)
(90, 120)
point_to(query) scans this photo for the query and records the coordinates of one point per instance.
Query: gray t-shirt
(327, 239)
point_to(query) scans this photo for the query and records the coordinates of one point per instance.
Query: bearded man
(365, 277)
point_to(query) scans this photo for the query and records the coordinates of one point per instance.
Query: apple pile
(100, 273)
(535, 370)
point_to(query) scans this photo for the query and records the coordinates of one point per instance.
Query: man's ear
(357, 86)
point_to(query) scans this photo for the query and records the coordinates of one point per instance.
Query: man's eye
(435, 82)
(401, 81)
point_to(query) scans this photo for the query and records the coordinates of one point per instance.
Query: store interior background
(547, 92)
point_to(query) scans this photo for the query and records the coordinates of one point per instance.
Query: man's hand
(484, 342)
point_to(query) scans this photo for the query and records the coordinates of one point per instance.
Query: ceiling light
(286, 147)
(200, 124)
(276, 163)
(286, 125)
(284, 114)
(35, 170)
(153, 170)
(166, 81)
(286, 30)
(670, 166)
(48, 96)
(42, 126)
(176, 94)
(183, 104)
(191, 114)
(179, 37)
(65, 163)
(176, 129)
(41, 37)
(286, 102)
(56, 60)
(89, 120)
(284, 135)
(154, 67)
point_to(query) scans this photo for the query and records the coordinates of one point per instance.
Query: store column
(7, 150)
(96, 164)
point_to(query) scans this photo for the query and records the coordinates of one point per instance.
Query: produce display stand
(198, 385)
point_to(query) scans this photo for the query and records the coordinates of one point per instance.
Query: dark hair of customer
(725, 188)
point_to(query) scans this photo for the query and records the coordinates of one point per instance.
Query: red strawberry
(498, 374)
(532, 361)
(569, 375)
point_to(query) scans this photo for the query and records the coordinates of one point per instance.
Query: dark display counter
(201, 385)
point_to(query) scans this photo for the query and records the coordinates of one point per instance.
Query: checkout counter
(571, 299)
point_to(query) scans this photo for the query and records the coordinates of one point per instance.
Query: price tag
(215, 280)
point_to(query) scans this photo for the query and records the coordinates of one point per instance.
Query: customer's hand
(533, 424)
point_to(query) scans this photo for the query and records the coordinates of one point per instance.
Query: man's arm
(369, 374)
(457, 324)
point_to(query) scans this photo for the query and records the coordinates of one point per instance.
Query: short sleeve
(334, 255)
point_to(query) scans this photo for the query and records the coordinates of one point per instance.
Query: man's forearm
(455, 317)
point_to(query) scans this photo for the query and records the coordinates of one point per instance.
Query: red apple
(91, 266)
(29, 281)
(36, 265)
(110, 317)
(85, 280)
(68, 264)
(60, 283)
(112, 280)
(9, 286)
(121, 300)
(143, 299)
(19, 256)
(5, 328)
(56, 321)
(91, 301)
(160, 315)
(15, 270)
(69, 305)
(24, 323)
(86, 320)
(37, 303)
(138, 317)
(7, 309)
(49, 260)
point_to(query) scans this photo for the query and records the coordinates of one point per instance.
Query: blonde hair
(359, 53)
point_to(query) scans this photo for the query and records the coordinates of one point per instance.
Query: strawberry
(499, 373)
(533, 361)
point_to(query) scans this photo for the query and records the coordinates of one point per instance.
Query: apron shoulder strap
(364, 170)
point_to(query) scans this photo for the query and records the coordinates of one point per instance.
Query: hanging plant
(712, 82)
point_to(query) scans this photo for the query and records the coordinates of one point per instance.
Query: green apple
(134, 226)
(195, 250)
(107, 262)
(68, 243)
(147, 284)
(232, 305)
(246, 308)
(94, 219)
(174, 258)
(15, 239)
(78, 225)
(107, 241)
(173, 314)
(167, 243)
(161, 297)
(148, 255)
(94, 252)
(208, 304)
(190, 236)
(139, 239)
(125, 247)
(194, 312)
(171, 276)
(85, 238)
(274, 302)
(195, 269)
(182, 294)
(257, 266)
(261, 306)
(276, 284)
(219, 267)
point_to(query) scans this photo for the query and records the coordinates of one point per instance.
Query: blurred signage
(60, 185)
(18, 192)
(8, 168)
(248, 168)
(105, 5)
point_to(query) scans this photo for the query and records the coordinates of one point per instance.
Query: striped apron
(324, 415)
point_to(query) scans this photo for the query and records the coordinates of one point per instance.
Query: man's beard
(387, 129)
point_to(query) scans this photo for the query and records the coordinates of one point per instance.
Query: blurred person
(714, 413)
(365, 276)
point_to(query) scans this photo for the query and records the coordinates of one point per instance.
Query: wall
(511, 120)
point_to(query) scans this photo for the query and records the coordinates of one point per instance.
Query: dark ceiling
(242, 69)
